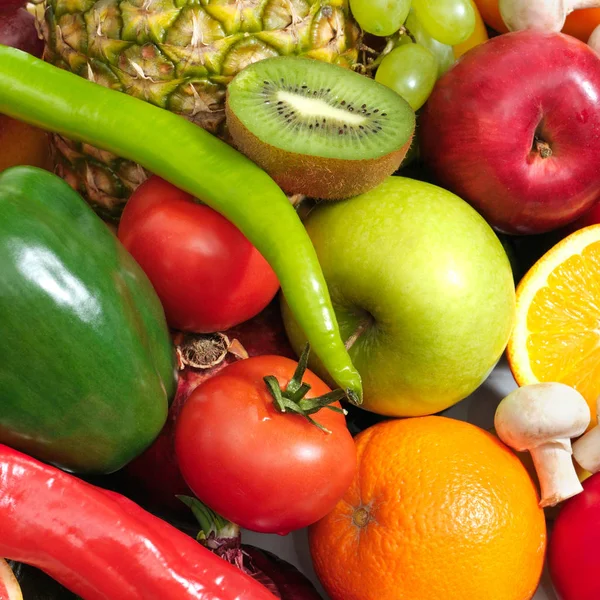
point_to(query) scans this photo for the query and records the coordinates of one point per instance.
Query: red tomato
(208, 276)
(264, 470)
(573, 555)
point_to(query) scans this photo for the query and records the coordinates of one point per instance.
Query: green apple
(423, 292)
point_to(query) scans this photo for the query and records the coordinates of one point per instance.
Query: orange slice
(557, 330)
(9, 586)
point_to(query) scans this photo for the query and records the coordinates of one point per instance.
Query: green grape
(443, 52)
(411, 71)
(380, 17)
(448, 21)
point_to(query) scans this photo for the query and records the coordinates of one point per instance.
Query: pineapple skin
(179, 55)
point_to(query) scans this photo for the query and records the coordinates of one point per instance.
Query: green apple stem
(366, 323)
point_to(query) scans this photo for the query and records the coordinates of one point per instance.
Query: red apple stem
(543, 148)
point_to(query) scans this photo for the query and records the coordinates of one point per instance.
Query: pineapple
(179, 55)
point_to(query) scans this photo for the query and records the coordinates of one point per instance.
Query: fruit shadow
(546, 589)
(304, 560)
(480, 407)
(292, 548)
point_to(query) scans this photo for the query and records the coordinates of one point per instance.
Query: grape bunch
(423, 34)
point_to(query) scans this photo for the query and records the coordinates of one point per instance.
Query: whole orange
(491, 15)
(439, 509)
(580, 23)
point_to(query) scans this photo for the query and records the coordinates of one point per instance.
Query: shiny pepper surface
(102, 546)
(86, 362)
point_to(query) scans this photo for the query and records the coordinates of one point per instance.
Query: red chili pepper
(102, 546)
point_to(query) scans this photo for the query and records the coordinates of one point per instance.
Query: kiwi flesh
(318, 129)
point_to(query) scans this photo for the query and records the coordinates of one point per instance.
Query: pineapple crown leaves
(293, 399)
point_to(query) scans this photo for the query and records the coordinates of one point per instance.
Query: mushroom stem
(554, 466)
(587, 450)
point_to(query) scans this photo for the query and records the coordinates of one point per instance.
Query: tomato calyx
(293, 398)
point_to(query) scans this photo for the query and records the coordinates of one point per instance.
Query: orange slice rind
(557, 328)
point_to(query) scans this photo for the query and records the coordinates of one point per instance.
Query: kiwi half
(318, 129)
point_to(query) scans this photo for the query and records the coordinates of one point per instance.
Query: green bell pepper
(87, 367)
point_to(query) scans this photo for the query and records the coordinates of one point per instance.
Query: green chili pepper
(197, 162)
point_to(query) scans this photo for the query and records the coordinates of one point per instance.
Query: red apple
(573, 556)
(514, 129)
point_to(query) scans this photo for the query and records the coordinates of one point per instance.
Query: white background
(478, 409)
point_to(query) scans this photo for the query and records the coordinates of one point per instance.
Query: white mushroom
(543, 15)
(586, 449)
(594, 40)
(542, 418)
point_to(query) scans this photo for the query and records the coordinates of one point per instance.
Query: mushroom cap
(541, 15)
(541, 413)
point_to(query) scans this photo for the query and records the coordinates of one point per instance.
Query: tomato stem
(293, 398)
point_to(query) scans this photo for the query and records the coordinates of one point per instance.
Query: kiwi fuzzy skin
(314, 176)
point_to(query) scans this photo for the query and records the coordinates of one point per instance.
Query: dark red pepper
(102, 546)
